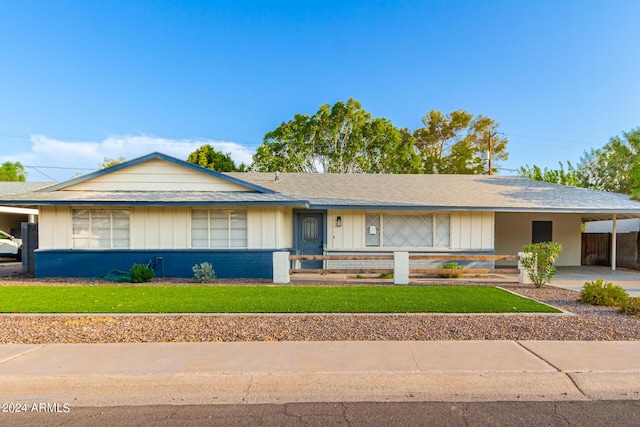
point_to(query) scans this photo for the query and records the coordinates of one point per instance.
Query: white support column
(281, 267)
(614, 243)
(401, 268)
(523, 277)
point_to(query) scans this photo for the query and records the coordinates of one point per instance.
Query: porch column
(614, 241)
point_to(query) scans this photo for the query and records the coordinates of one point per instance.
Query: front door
(310, 237)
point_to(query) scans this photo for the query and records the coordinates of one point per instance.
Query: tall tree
(12, 171)
(458, 143)
(555, 176)
(342, 138)
(614, 167)
(208, 157)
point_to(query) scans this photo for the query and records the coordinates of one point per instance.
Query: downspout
(614, 241)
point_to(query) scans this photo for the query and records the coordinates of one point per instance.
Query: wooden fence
(412, 271)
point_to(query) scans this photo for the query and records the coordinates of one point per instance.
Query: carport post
(614, 243)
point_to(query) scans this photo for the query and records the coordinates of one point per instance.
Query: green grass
(263, 299)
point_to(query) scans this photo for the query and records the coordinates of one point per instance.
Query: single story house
(172, 214)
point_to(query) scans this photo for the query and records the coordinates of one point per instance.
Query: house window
(218, 228)
(541, 231)
(408, 230)
(100, 228)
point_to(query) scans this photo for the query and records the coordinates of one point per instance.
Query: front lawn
(264, 299)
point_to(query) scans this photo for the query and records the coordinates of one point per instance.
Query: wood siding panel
(54, 227)
(465, 230)
(46, 228)
(476, 229)
(487, 230)
(456, 239)
(137, 228)
(285, 231)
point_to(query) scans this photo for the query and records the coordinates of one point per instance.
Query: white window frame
(381, 222)
(94, 239)
(229, 228)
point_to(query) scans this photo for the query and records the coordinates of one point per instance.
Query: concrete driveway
(573, 278)
(9, 267)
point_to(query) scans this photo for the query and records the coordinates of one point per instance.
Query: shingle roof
(322, 191)
(7, 188)
(469, 192)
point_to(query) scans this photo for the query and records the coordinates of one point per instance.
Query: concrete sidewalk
(337, 371)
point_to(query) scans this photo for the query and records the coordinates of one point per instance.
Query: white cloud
(83, 157)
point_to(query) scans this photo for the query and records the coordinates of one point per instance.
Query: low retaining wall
(166, 263)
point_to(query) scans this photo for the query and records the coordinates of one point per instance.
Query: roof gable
(157, 172)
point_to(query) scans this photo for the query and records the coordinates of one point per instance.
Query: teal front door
(310, 237)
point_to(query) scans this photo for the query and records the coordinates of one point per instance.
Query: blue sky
(84, 80)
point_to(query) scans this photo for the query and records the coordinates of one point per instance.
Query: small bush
(141, 273)
(631, 306)
(386, 276)
(600, 293)
(538, 261)
(203, 273)
(451, 266)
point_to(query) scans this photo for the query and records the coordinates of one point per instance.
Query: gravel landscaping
(587, 323)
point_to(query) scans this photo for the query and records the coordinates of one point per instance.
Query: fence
(596, 249)
(401, 270)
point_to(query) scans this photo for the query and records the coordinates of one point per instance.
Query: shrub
(203, 273)
(386, 276)
(631, 306)
(141, 273)
(600, 293)
(538, 261)
(451, 266)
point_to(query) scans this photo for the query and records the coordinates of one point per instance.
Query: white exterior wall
(170, 227)
(514, 230)
(469, 230)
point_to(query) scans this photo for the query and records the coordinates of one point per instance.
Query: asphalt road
(584, 413)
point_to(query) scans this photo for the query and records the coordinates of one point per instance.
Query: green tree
(342, 138)
(208, 157)
(614, 167)
(555, 176)
(457, 142)
(111, 162)
(12, 171)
